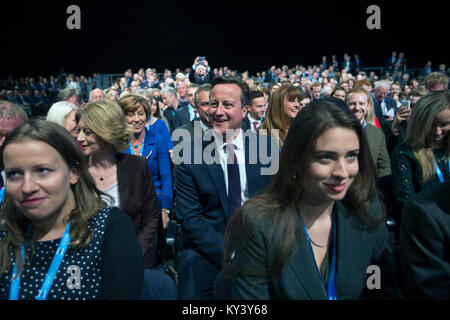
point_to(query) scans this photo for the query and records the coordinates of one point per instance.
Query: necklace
(318, 245)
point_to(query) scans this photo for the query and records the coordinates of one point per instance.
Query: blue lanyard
(142, 147)
(439, 172)
(2, 193)
(48, 281)
(332, 275)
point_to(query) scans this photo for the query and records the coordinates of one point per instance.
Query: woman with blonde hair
(104, 133)
(284, 105)
(422, 160)
(55, 224)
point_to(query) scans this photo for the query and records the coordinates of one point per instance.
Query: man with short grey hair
(70, 95)
(385, 106)
(188, 113)
(96, 95)
(170, 99)
(201, 104)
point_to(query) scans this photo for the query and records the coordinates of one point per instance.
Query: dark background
(243, 35)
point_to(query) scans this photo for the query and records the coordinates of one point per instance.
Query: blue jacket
(156, 151)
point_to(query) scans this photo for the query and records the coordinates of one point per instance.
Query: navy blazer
(183, 116)
(357, 247)
(390, 103)
(156, 152)
(201, 197)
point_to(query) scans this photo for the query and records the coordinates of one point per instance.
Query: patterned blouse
(110, 267)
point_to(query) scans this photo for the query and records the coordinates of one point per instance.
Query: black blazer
(138, 200)
(358, 247)
(425, 244)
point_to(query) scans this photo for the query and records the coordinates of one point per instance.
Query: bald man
(96, 95)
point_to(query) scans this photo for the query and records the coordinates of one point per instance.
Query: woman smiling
(319, 225)
(104, 133)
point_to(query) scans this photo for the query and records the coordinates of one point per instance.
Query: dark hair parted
(255, 95)
(277, 205)
(245, 90)
(87, 196)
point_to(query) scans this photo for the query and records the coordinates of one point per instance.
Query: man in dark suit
(347, 64)
(188, 113)
(385, 106)
(170, 99)
(201, 103)
(424, 243)
(209, 188)
(256, 112)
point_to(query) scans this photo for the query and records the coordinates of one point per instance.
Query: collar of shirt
(364, 125)
(204, 126)
(252, 119)
(238, 141)
(191, 112)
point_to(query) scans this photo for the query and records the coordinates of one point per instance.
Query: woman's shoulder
(159, 125)
(103, 215)
(375, 216)
(130, 160)
(257, 215)
(108, 218)
(2, 231)
(403, 150)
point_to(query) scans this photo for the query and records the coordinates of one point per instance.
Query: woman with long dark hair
(318, 226)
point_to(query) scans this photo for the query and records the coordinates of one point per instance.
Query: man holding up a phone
(201, 72)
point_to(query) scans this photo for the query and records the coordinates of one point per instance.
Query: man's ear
(245, 111)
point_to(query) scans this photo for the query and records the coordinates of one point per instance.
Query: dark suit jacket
(179, 136)
(385, 125)
(183, 116)
(138, 200)
(246, 124)
(351, 66)
(425, 244)
(358, 247)
(172, 118)
(201, 196)
(378, 150)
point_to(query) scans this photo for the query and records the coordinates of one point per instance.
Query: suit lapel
(304, 267)
(149, 144)
(217, 177)
(122, 179)
(252, 171)
(348, 250)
